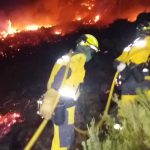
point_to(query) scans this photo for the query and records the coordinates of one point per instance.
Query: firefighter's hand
(46, 109)
(121, 67)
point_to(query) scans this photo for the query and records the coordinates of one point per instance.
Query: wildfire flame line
(87, 12)
(33, 27)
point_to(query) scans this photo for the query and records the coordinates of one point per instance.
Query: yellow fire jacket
(136, 74)
(63, 133)
(75, 76)
(136, 53)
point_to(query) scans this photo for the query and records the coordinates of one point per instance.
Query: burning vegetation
(46, 21)
(32, 15)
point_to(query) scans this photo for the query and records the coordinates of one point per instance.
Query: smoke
(46, 12)
(43, 12)
(122, 9)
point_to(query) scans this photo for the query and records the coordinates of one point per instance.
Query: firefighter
(63, 117)
(133, 65)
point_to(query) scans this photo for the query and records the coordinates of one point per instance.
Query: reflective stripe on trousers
(64, 134)
(130, 98)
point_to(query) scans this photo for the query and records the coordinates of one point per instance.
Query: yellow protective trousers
(64, 134)
(130, 98)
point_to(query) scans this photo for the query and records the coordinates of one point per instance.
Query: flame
(97, 18)
(56, 12)
(92, 21)
(10, 30)
(32, 27)
(79, 18)
(58, 32)
(89, 4)
(48, 26)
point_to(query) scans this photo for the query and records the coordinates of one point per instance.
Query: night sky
(10, 5)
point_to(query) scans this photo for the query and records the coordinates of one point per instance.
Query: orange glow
(89, 8)
(89, 4)
(10, 30)
(32, 27)
(92, 20)
(78, 18)
(133, 15)
(58, 32)
(97, 18)
(48, 26)
(85, 12)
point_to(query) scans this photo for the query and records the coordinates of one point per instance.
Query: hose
(44, 122)
(101, 121)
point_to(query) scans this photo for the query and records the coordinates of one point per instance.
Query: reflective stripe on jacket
(75, 76)
(136, 53)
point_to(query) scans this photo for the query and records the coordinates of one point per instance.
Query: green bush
(133, 132)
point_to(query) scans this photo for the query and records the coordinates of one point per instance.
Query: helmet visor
(94, 48)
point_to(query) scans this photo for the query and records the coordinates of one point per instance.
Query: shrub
(131, 133)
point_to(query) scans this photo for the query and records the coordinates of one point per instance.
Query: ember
(7, 121)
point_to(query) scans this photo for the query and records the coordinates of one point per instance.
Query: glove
(121, 67)
(46, 109)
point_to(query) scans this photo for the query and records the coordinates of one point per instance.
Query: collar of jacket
(85, 50)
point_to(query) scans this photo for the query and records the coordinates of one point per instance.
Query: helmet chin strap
(86, 50)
